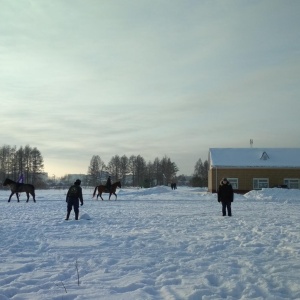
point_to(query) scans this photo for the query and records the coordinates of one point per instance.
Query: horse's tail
(95, 191)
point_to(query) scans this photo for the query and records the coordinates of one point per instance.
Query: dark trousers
(73, 203)
(228, 206)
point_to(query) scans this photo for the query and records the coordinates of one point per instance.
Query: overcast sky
(152, 78)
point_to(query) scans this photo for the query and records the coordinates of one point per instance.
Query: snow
(151, 244)
(253, 157)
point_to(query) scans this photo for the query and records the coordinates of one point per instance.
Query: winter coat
(225, 193)
(108, 183)
(74, 194)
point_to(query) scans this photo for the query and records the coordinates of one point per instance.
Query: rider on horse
(21, 178)
(108, 183)
(20, 181)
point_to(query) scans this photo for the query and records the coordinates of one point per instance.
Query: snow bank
(274, 194)
(154, 244)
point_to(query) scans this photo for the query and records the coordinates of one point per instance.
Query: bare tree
(37, 165)
(150, 174)
(114, 167)
(95, 169)
(27, 160)
(132, 168)
(168, 169)
(124, 167)
(140, 170)
(157, 171)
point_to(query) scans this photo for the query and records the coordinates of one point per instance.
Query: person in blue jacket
(21, 178)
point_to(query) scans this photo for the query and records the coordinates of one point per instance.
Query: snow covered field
(151, 244)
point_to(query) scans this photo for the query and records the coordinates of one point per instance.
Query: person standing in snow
(74, 195)
(225, 196)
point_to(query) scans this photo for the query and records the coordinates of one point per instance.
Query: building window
(234, 183)
(292, 183)
(260, 183)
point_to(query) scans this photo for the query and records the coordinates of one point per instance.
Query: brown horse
(17, 188)
(103, 189)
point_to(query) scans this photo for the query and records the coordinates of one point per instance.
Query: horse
(103, 189)
(173, 186)
(17, 188)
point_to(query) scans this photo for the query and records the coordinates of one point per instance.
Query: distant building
(71, 178)
(254, 168)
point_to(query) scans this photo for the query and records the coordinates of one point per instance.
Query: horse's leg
(101, 196)
(116, 196)
(10, 197)
(27, 197)
(109, 195)
(33, 196)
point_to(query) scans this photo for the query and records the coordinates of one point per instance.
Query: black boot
(76, 216)
(67, 216)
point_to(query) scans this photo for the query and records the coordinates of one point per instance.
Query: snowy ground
(151, 244)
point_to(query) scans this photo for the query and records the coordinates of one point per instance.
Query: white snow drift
(151, 244)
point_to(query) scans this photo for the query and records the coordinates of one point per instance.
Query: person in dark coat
(108, 183)
(74, 195)
(225, 196)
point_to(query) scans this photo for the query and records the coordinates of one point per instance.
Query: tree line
(146, 174)
(142, 173)
(24, 160)
(161, 171)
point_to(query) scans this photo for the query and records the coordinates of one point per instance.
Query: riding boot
(67, 216)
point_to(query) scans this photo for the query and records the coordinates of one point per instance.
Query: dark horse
(17, 188)
(173, 186)
(103, 189)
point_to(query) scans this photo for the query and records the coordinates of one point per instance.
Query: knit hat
(77, 182)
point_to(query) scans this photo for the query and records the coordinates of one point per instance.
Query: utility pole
(251, 143)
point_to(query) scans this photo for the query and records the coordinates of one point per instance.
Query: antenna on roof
(251, 143)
